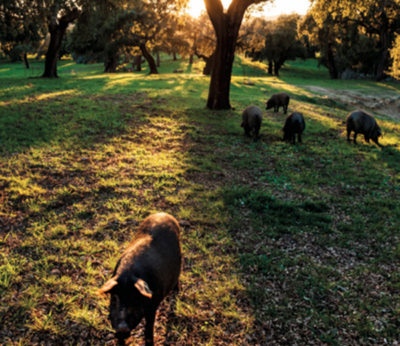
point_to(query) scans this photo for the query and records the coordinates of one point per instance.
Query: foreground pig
(278, 100)
(251, 121)
(294, 124)
(145, 274)
(361, 122)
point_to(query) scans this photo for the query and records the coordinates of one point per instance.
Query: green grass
(283, 244)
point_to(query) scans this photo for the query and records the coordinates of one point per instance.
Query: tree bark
(226, 25)
(174, 55)
(158, 59)
(191, 59)
(331, 62)
(111, 64)
(149, 59)
(383, 63)
(270, 67)
(57, 28)
(209, 63)
(26, 60)
(139, 63)
(277, 67)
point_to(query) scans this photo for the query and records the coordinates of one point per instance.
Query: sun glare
(196, 6)
(271, 9)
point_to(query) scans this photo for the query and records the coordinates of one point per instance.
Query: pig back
(154, 255)
(253, 115)
(361, 122)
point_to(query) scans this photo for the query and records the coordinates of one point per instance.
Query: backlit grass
(283, 244)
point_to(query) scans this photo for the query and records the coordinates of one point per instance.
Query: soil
(387, 106)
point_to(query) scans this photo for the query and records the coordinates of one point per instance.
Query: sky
(280, 7)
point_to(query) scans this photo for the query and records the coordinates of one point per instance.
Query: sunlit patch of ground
(283, 244)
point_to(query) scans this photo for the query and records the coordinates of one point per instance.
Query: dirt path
(387, 105)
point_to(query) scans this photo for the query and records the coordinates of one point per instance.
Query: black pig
(278, 100)
(252, 119)
(361, 122)
(294, 124)
(145, 274)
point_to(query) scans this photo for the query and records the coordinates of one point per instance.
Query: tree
(376, 18)
(134, 25)
(57, 27)
(20, 32)
(276, 41)
(226, 25)
(35, 18)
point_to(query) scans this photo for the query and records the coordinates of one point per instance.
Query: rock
(376, 105)
(349, 74)
(55, 272)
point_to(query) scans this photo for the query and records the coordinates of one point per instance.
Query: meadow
(283, 244)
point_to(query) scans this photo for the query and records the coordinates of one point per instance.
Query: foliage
(276, 41)
(124, 29)
(341, 20)
(395, 54)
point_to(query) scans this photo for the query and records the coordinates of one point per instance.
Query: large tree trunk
(174, 56)
(149, 59)
(330, 60)
(383, 42)
(277, 67)
(138, 62)
(191, 59)
(111, 64)
(57, 28)
(26, 60)
(158, 59)
(270, 67)
(226, 25)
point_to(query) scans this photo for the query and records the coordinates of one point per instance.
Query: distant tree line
(342, 34)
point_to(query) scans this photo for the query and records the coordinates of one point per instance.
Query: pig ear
(143, 288)
(107, 287)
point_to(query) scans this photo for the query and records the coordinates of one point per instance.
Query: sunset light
(280, 7)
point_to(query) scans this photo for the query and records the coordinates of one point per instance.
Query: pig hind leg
(366, 137)
(150, 317)
(348, 135)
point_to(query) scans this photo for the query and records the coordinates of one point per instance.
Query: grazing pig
(278, 100)
(361, 122)
(252, 119)
(294, 123)
(145, 274)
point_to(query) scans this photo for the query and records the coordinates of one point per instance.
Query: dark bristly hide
(145, 274)
(278, 100)
(294, 124)
(251, 121)
(361, 122)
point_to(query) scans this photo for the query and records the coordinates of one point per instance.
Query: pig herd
(150, 267)
(358, 122)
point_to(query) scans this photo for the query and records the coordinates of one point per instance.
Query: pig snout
(122, 331)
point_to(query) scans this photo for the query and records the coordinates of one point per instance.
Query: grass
(283, 244)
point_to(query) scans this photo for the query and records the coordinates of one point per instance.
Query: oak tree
(226, 25)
